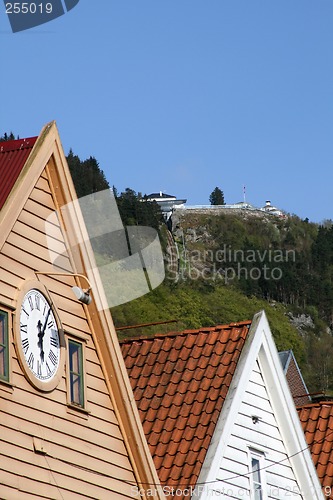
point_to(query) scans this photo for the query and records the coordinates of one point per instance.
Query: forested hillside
(282, 259)
(229, 266)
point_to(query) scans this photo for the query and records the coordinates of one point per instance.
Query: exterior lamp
(81, 295)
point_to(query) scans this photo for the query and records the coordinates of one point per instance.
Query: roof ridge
(316, 403)
(16, 144)
(194, 331)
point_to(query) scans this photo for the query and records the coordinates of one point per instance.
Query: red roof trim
(13, 156)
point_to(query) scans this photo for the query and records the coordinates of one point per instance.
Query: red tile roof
(317, 423)
(13, 155)
(180, 382)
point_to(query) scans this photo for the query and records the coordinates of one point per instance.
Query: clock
(38, 339)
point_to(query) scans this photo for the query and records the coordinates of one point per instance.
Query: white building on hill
(167, 202)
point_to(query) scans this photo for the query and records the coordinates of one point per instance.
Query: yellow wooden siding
(85, 452)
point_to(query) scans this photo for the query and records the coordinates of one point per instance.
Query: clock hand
(46, 319)
(40, 341)
(41, 333)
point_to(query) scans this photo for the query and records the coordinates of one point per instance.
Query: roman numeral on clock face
(53, 358)
(48, 369)
(39, 368)
(25, 312)
(23, 328)
(31, 303)
(25, 345)
(54, 342)
(31, 360)
(50, 324)
(37, 302)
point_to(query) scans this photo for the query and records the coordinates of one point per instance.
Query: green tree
(217, 197)
(87, 175)
(135, 210)
(7, 137)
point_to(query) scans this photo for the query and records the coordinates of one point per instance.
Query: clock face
(39, 336)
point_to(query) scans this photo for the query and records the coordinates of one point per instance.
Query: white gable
(256, 428)
(259, 421)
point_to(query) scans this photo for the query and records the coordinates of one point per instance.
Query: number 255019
(28, 8)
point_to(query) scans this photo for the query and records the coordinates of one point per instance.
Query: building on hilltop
(235, 207)
(270, 209)
(167, 202)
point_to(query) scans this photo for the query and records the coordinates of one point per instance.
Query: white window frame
(258, 455)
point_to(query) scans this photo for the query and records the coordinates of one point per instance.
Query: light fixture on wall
(82, 295)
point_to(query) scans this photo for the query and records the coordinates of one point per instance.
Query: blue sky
(185, 95)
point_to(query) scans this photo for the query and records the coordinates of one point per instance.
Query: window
(76, 382)
(257, 475)
(4, 347)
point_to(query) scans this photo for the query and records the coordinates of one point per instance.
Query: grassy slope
(203, 305)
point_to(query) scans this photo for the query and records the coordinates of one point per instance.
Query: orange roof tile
(317, 423)
(180, 381)
(13, 155)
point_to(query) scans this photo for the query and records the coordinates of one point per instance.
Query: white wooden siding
(264, 436)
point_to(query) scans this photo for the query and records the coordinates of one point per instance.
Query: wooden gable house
(218, 414)
(69, 428)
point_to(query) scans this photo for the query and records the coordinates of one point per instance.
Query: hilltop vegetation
(230, 266)
(286, 263)
(286, 260)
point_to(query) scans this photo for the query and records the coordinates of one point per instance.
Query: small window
(76, 382)
(257, 475)
(4, 347)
